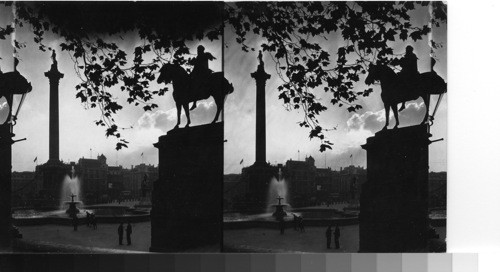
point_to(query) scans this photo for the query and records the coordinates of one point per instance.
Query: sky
(285, 139)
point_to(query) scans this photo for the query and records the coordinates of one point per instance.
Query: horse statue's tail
(230, 87)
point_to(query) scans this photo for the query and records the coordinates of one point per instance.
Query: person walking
(129, 232)
(301, 224)
(329, 237)
(282, 225)
(75, 222)
(120, 234)
(337, 237)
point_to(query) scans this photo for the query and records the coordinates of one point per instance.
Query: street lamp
(11, 83)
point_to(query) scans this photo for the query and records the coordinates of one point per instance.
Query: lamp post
(11, 83)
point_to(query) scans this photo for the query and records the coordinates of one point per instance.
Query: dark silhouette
(93, 221)
(281, 223)
(295, 222)
(301, 224)
(409, 69)
(394, 91)
(75, 222)
(337, 237)
(120, 234)
(13, 83)
(88, 219)
(129, 232)
(144, 185)
(329, 236)
(216, 86)
(200, 73)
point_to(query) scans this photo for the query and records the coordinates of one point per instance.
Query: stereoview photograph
(336, 131)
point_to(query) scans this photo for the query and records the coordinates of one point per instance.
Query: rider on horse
(200, 72)
(409, 70)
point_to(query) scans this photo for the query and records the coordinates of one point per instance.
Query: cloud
(374, 121)
(166, 120)
(371, 121)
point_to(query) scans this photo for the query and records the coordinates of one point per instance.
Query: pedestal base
(393, 214)
(258, 177)
(187, 198)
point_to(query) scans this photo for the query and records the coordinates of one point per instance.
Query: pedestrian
(337, 236)
(282, 225)
(295, 222)
(88, 219)
(301, 224)
(329, 237)
(75, 222)
(120, 233)
(129, 232)
(94, 221)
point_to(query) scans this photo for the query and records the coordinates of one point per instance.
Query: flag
(241, 161)
(36, 158)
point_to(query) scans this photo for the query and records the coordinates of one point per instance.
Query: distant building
(234, 190)
(139, 180)
(93, 175)
(114, 184)
(351, 179)
(24, 188)
(301, 179)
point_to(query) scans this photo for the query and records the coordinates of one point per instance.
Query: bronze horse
(395, 90)
(216, 86)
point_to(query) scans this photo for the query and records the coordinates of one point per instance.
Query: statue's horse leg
(186, 111)
(426, 98)
(387, 108)
(394, 108)
(178, 105)
(218, 93)
(219, 103)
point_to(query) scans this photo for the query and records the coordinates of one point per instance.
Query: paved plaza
(105, 236)
(312, 240)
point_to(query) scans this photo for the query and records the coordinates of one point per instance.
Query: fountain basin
(104, 214)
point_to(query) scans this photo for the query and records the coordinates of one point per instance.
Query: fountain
(72, 210)
(279, 213)
(71, 187)
(278, 187)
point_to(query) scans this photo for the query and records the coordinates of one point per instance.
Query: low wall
(271, 224)
(81, 221)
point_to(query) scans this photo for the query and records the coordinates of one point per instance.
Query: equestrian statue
(200, 84)
(405, 86)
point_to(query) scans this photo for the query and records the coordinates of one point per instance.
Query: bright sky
(78, 134)
(284, 136)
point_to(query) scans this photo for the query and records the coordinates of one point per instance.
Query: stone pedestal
(5, 184)
(258, 177)
(393, 213)
(187, 198)
(52, 174)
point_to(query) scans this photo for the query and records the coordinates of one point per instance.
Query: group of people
(128, 232)
(298, 223)
(336, 234)
(91, 221)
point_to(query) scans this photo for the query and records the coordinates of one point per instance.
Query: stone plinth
(393, 215)
(258, 177)
(187, 198)
(52, 174)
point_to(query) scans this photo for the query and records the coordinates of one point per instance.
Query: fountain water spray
(70, 186)
(278, 190)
